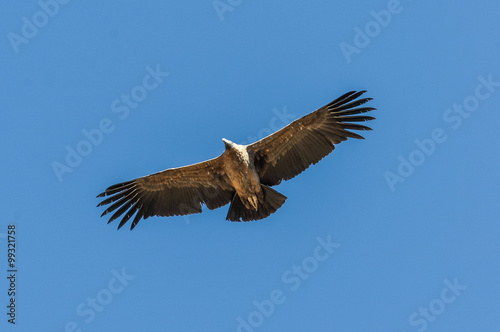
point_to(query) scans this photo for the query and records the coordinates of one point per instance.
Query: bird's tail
(273, 200)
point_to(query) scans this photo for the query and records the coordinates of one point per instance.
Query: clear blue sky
(398, 232)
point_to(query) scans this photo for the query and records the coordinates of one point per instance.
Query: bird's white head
(228, 143)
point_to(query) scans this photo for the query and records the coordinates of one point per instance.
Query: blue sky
(398, 232)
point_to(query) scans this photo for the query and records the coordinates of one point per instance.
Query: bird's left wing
(289, 151)
(175, 191)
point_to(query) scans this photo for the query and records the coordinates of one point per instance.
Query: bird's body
(242, 174)
(240, 169)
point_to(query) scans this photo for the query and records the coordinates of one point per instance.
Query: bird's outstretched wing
(305, 141)
(175, 191)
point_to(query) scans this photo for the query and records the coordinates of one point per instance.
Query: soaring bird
(243, 174)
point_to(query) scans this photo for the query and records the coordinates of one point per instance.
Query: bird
(243, 174)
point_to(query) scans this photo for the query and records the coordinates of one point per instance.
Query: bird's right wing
(175, 191)
(289, 151)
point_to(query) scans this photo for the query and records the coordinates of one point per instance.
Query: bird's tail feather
(273, 200)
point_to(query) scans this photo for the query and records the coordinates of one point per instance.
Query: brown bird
(242, 174)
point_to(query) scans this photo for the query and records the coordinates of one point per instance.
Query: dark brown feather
(291, 150)
(175, 191)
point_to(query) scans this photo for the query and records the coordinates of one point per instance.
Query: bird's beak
(227, 143)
